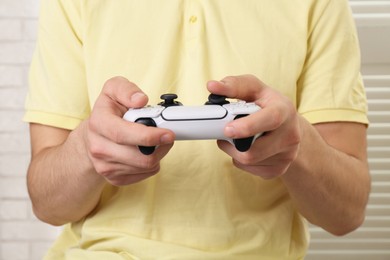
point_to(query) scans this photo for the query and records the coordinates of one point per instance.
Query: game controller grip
(243, 144)
(146, 150)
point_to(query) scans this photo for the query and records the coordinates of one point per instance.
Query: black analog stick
(215, 99)
(169, 100)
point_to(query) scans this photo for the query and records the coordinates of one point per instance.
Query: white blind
(372, 240)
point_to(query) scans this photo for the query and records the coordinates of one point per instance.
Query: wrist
(78, 140)
(299, 164)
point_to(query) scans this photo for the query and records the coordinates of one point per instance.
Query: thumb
(243, 87)
(125, 92)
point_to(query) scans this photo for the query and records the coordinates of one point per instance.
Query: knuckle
(93, 123)
(117, 86)
(253, 79)
(149, 163)
(295, 138)
(247, 130)
(154, 169)
(247, 158)
(277, 119)
(297, 133)
(96, 150)
(286, 158)
(290, 157)
(146, 139)
(104, 169)
(231, 79)
(117, 136)
(112, 82)
(120, 180)
(292, 138)
(116, 182)
(292, 154)
(266, 175)
(271, 172)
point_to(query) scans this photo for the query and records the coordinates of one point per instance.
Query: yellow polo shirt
(199, 206)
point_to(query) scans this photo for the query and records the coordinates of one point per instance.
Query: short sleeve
(330, 87)
(58, 94)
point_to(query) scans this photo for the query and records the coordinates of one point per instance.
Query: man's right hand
(112, 143)
(69, 169)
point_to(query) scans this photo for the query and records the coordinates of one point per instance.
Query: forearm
(62, 183)
(330, 193)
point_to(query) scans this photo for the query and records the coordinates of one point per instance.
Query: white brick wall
(22, 236)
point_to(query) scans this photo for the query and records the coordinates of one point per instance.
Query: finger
(125, 92)
(121, 131)
(248, 158)
(266, 150)
(265, 120)
(121, 174)
(123, 180)
(113, 159)
(264, 171)
(110, 170)
(261, 164)
(110, 152)
(244, 87)
(139, 162)
(117, 96)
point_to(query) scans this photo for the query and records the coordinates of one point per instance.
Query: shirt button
(193, 19)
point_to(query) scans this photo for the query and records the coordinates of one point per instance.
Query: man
(298, 60)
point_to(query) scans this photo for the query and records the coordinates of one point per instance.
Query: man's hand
(271, 154)
(69, 169)
(112, 143)
(331, 195)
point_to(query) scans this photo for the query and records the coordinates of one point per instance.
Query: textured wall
(21, 235)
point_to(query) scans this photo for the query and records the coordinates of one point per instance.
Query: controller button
(192, 113)
(146, 150)
(217, 100)
(146, 121)
(169, 100)
(243, 144)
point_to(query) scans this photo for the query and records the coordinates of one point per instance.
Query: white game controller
(194, 122)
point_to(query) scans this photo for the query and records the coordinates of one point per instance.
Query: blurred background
(23, 237)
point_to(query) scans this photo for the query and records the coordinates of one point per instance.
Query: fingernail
(230, 131)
